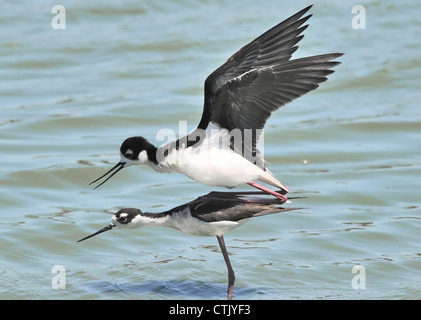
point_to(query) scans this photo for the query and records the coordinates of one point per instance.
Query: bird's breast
(210, 161)
(185, 222)
(215, 166)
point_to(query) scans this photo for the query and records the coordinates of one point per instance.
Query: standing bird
(209, 215)
(239, 98)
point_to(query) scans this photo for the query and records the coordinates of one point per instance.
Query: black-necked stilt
(239, 97)
(209, 215)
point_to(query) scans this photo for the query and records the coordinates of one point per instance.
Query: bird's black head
(126, 217)
(134, 150)
(132, 147)
(137, 149)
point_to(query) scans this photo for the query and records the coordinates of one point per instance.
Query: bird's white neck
(150, 220)
(167, 163)
(170, 158)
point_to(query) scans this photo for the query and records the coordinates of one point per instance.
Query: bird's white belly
(186, 223)
(217, 167)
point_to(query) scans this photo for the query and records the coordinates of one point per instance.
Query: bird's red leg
(276, 194)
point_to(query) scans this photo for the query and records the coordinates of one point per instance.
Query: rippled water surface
(68, 98)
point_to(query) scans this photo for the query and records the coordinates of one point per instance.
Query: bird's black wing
(234, 206)
(260, 78)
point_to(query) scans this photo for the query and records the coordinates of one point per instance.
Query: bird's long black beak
(109, 227)
(117, 168)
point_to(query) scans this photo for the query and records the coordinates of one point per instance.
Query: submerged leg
(231, 276)
(276, 194)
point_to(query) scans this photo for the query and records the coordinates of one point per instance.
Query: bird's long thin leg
(231, 276)
(276, 194)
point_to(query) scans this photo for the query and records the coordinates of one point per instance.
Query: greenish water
(68, 98)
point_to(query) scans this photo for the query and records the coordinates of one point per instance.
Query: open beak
(116, 169)
(109, 227)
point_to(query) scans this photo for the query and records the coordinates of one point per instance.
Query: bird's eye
(122, 219)
(129, 153)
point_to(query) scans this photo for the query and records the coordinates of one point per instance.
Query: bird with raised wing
(239, 98)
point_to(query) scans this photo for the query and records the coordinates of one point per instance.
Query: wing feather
(260, 78)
